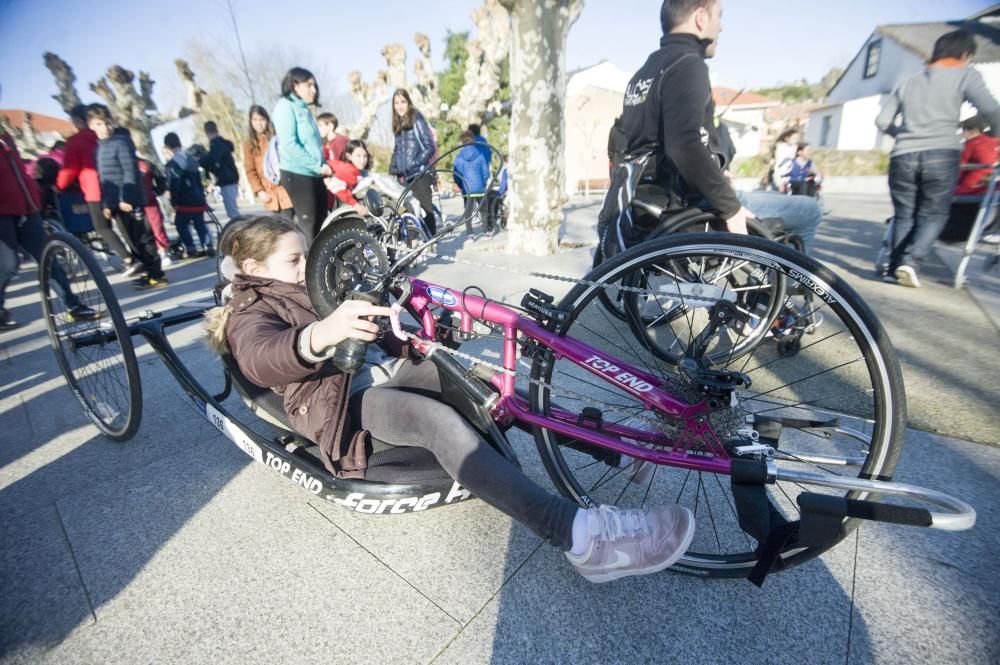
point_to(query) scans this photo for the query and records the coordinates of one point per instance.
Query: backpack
(186, 188)
(272, 165)
(616, 228)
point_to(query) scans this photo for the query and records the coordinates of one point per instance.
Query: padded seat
(386, 463)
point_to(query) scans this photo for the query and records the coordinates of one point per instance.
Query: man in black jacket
(220, 163)
(669, 112)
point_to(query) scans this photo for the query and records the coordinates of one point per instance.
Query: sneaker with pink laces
(633, 542)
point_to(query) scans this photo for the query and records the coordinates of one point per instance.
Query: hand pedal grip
(838, 506)
(397, 330)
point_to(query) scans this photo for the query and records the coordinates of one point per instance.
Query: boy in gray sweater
(923, 165)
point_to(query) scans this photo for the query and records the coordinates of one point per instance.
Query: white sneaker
(632, 542)
(907, 276)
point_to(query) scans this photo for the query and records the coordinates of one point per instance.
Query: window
(871, 60)
(824, 135)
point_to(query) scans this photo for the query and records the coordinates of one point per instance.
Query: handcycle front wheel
(836, 406)
(94, 350)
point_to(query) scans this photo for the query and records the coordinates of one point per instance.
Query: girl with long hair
(412, 152)
(274, 197)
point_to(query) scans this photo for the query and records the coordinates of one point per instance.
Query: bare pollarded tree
(538, 128)
(133, 108)
(487, 51)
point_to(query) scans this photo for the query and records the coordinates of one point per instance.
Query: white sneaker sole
(601, 578)
(908, 278)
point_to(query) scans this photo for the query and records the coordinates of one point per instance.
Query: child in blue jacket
(471, 173)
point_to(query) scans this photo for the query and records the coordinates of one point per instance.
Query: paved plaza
(176, 548)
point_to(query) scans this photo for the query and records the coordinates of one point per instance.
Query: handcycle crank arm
(959, 515)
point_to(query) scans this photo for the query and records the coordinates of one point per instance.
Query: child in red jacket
(355, 166)
(979, 148)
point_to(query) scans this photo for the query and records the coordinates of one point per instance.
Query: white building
(594, 99)
(743, 114)
(890, 55)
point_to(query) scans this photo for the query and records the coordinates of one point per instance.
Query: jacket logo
(636, 93)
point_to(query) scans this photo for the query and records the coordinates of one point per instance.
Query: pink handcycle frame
(709, 457)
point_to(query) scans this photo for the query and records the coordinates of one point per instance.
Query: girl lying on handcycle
(276, 337)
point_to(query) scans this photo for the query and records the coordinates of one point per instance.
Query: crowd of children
(299, 166)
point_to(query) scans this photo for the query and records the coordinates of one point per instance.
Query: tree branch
(65, 79)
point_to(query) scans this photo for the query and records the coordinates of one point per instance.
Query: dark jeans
(308, 200)
(407, 411)
(27, 233)
(140, 236)
(421, 188)
(183, 221)
(475, 210)
(921, 185)
(103, 228)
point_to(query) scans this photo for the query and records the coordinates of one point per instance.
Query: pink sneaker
(632, 542)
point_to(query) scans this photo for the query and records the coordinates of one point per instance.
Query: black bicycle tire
(879, 357)
(119, 327)
(321, 256)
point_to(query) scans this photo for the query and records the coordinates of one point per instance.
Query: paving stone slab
(934, 596)
(211, 558)
(41, 595)
(549, 614)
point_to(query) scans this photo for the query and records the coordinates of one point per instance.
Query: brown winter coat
(253, 162)
(263, 332)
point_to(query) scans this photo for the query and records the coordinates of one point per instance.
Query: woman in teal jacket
(300, 150)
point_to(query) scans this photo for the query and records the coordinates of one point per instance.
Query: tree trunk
(537, 131)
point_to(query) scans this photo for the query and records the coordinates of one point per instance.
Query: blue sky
(763, 41)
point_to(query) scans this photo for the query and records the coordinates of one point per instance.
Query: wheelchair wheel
(836, 404)
(94, 349)
(338, 262)
(662, 317)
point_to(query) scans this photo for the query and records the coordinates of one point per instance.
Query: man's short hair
(475, 129)
(79, 112)
(99, 111)
(675, 12)
(328, 117)
(172, 141)
(955, 44)
(211, 127)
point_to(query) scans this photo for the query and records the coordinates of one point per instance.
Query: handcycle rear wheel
(835, 406)
(95, 355)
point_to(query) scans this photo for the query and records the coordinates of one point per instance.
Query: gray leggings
(407, 411)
